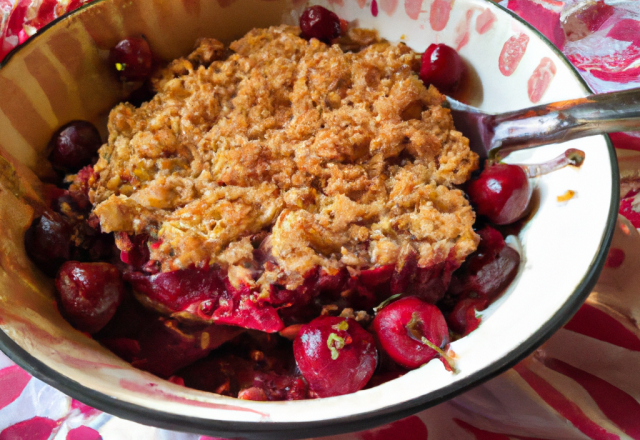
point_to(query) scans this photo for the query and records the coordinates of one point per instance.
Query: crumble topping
(340, 159)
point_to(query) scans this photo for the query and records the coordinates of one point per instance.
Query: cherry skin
(89, 294)
(401, 325)
(463, 319)
(74, 145)
(48, 242)
(442, 67)
(501, 193)
(335, 355)
(132, 59)
(321, 23)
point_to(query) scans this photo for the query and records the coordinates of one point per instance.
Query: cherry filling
(411, 331)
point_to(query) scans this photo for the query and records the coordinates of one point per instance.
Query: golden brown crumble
(345, 158)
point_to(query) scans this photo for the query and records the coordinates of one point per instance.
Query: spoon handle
(565, 120)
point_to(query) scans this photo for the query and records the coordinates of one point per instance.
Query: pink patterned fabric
(582, 384)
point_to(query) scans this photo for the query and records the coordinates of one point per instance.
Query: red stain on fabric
(540, 79)
(628, 210)
(411, 428)
(480, 434)
(544, 15)
(413, 8)
(564, 406)
(512, 52)
(485, 21)
(439, 14)
(374, 8)
(624, 141)
(615, 258)
(626, 30)
(83, 433)
(463, 30)
(587, 20)
(389, 6)
(37, 428)
(596, 324)
(82, 408)
(13, 381)
(618, 406)
(362, 3)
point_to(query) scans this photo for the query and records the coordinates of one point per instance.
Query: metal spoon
(496, 135)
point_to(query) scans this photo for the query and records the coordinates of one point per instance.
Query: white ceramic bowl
(61, 75)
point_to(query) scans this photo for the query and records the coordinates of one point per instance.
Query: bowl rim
(353, 423)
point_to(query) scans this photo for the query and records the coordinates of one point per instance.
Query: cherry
(442, 67)
(463, 319)
(489, 270)
(321, 23)
(48, 242)
(132, 59)
(89, 293)
(501, 193)
(335, 355)
(74, 145)
(403, 326)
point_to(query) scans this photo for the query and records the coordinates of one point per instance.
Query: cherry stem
(572, 156)
(414, 329)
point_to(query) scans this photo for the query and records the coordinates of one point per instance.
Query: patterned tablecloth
(584, 383)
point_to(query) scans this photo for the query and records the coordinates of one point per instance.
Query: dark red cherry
(48, 242)
(463, 319)
(501, 193)
(488, 271)
(401, 327)
(74, 145)
(89, 293)
(321, 23)
(442, 67)
(132, 59)
(335, 355)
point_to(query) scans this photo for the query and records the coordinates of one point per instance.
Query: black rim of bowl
(293, 430)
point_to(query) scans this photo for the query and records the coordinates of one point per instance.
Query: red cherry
(89, 293)
(321, 23)
(401, 325)
(74, 145)
(501, 193)
(335, 355)
(442, 67)
(132, 59)
(488, 271)
(48, 242)
(463, 319)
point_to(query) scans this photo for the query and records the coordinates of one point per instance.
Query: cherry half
(132, 59)
(501, 193)
(335, 355)
(321, 23)
(403, 326)
(74, 145)
(442, 67)
(89, 293)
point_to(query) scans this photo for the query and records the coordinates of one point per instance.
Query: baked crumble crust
(346, 159)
